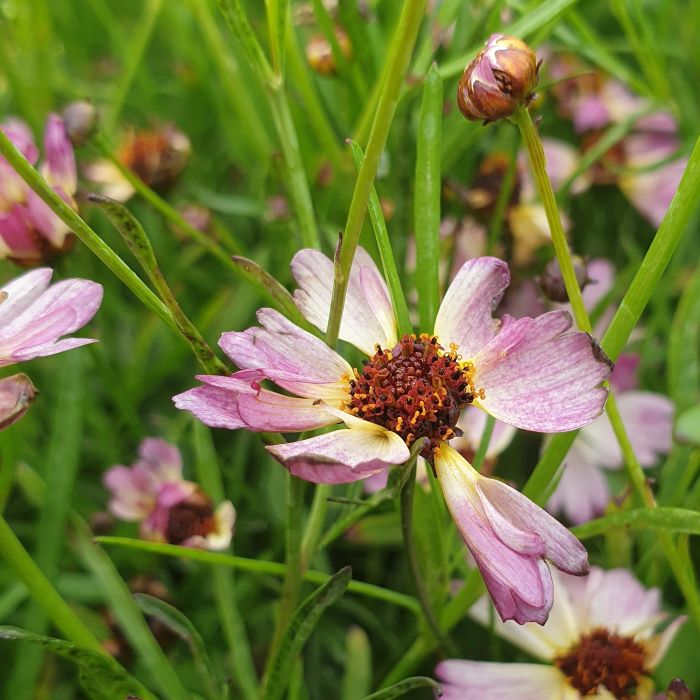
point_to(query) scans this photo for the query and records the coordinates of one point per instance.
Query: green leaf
(674, 519)
(179, 623)
(688, 426)
(427, 200)
(404, 687)
(299, 629)
(100, 676)
(358, 665)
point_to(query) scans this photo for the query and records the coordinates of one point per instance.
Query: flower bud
(17, 393)
(80, 119)
(678, 690)
(551, 281)
(502, 77)
(319, 52)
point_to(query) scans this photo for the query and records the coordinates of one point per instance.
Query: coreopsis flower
(533, 373)
(169, 509)
(599, 641)
(30, 233)
(501, 78)
(157, 156)
(34, 314)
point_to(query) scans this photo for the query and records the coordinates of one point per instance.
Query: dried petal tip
(502, 77)
(80, 119)
(678, 690)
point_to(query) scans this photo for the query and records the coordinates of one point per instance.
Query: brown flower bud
(319, 52)
(80, 119)
(17, 393)
(551, 282)
(502, 77)
(678, 690)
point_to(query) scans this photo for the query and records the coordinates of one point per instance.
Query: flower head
(34, 315)
(501, 78)
(168, 508)
(600, 641)
(30, 233)
(531, 373)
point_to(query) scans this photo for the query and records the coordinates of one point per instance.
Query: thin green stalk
(406, 506)
(396, 66)
(499, 212)
(277, 14)
(137, 47)
(58, 611)
(428, 190)
(260, 566)
(120, 269)
(314, 524)
(538, 162)
(381, 235)
(209, 475)
(484, 442)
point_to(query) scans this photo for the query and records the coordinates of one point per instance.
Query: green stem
(260, 566)
(64, 212)
(314, 524)
(484, 443)
(58, 611)
(397, 64)
(537, 160)
(406, 504)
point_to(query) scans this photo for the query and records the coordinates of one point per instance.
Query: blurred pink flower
(30, 233)
(599, 641)
(34, 315)
(531, 373)
(168, 508)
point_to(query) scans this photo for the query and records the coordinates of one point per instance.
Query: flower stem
(396, 67)
(484, 443)
(314, 524)
(58, 611)
(406, 503)
(538, 162)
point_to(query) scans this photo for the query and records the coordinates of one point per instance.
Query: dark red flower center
(193, 517)
(416, 390)
(604, 658)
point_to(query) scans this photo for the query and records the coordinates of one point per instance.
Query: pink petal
(648, 418)
(161, 458)
(22, 292)
(21, 136)
(538, 377)
(465, 316)
(133, 492)
(561, 547)
(45, 221)
(267, 410)
(18, 238)
(590, 112)
(60, 170)
(341, 456)
(368, 317)
(51, 348)
(582, 492)
(482, 680)
(291, 357)
(624, 374)
(215, 407)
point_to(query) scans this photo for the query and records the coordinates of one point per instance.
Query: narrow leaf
(299, 629)
(674, 519)
(404, 687)
(358, 665)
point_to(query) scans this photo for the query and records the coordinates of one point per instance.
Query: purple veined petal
(59, 168)
(651, 191)
(17, 393)
(484, 680)
(582, 492)
(83, 297)
(472, 423)
(538, 377)
(162, 459)
(18, 240)
(45, 221)
(133, 492)
(280, 346)
(465, 316)
(562, 548)
(274, 412)
(342, 456)
(21, 292)
(624, 374)
(368, 317)
(51, 348)
(512, 578)
(212, 405)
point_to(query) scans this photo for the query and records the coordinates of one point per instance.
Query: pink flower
(30, 232)
(599, 642)
(168, 508)
(34, 315)
(531, 373)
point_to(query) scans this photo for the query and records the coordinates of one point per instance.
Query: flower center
(192, 517)
(416, 390)
(604, 658)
